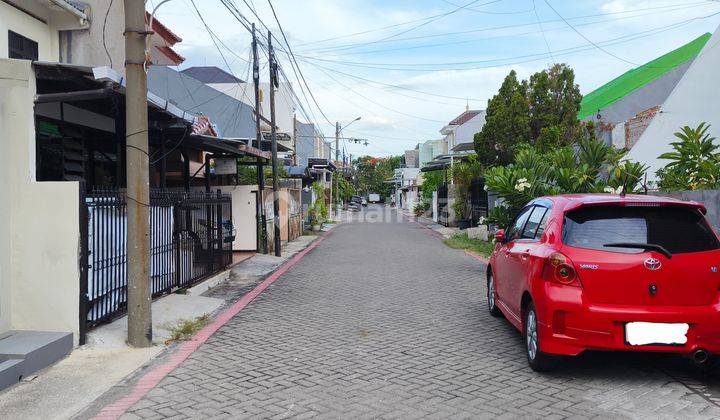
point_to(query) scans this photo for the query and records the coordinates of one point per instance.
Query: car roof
(573, 201)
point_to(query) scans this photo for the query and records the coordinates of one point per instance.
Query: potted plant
(462, 210)
(463, 174)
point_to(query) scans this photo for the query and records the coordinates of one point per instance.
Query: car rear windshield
(677, 229)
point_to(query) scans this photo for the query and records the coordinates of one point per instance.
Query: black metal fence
(191, 237)
(442, 203)
(478, 201)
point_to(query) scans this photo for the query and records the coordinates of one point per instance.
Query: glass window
(517, 225)
(21, 48)
(677, 229)
(536, 220)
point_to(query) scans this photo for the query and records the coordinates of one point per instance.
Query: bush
(694, 163)
(590, 167)
(421, 208)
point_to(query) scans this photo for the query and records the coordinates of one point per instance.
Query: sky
(409, 67)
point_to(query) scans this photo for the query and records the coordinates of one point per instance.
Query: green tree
(554, 102)
(507, 123)
(694, 163)
(373, 173)
(541, 112)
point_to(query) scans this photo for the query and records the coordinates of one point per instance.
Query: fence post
(217, 254)
(83, 266)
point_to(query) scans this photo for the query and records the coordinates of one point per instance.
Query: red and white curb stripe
(152, 378)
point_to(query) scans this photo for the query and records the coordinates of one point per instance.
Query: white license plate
(644, 333)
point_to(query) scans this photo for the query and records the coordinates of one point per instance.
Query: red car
(608, 272)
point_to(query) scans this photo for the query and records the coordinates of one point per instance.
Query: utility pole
(138, 178)
(337, 160)
(262, 226)
(273, 138)
(295, 135)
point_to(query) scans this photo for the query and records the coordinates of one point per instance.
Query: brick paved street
(384, 321)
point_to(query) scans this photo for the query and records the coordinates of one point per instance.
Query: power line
(436, 18)
(488, 12)
(588, 39)
(379, 104)
(293, 60)
(527, 57)
(395, 25)
(547, 44)
(371, 64)
(435, 35)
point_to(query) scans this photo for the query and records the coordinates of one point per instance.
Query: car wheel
(492, 296)
(537, 360)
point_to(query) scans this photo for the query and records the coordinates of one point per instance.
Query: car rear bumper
(569, 325)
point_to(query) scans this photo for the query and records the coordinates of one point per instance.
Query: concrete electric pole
(337, 159)
(273, 137)
(138, 184)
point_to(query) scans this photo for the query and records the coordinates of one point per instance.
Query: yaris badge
(653, 264)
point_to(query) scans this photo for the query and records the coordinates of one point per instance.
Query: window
(536, 223)
(516, 227)
(677, 229)
(22, 48)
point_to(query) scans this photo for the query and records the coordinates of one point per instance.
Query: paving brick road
(384, 321)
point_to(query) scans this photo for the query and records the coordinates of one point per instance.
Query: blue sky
(435, 56)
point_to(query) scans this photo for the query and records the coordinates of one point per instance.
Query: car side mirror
(500, 236)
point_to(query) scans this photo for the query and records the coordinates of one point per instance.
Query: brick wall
(635, 127)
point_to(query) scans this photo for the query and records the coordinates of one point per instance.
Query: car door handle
(525, 254)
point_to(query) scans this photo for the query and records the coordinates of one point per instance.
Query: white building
(65, 31)
(460, 132)
(244, 91)
(693, 100)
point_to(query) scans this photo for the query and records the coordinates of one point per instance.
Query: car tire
(538, 361)
(492, 296)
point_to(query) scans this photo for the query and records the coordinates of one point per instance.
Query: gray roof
(210, 74)
(231, 117)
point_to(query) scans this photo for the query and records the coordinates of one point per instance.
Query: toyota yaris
(608, 272)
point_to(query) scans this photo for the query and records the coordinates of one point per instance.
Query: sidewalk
(68, 387)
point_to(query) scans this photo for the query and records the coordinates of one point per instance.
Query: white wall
(466, 132)
(22, 23)
(694, 100)
(39, 227)
(243, 215)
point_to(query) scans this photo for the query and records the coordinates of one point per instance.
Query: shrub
(694, 163)
(590, 167)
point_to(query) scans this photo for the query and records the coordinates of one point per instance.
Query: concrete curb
(151, 379)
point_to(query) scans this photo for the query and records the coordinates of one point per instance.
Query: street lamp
(348, 124)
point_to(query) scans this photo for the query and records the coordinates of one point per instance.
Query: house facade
(76, 32)
(692, 101)
(623, 108)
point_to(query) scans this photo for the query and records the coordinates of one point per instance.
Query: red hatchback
(606, 272)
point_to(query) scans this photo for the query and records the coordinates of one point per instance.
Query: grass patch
(185, 328)
(461, 241)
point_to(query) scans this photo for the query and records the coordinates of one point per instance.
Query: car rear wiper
(652, 247)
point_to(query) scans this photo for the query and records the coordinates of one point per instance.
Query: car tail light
(560, 269)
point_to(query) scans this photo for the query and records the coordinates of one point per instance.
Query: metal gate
(191, 237)
(442, 203)
(478, 201)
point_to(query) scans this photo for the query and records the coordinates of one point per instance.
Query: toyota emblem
(653, 264)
